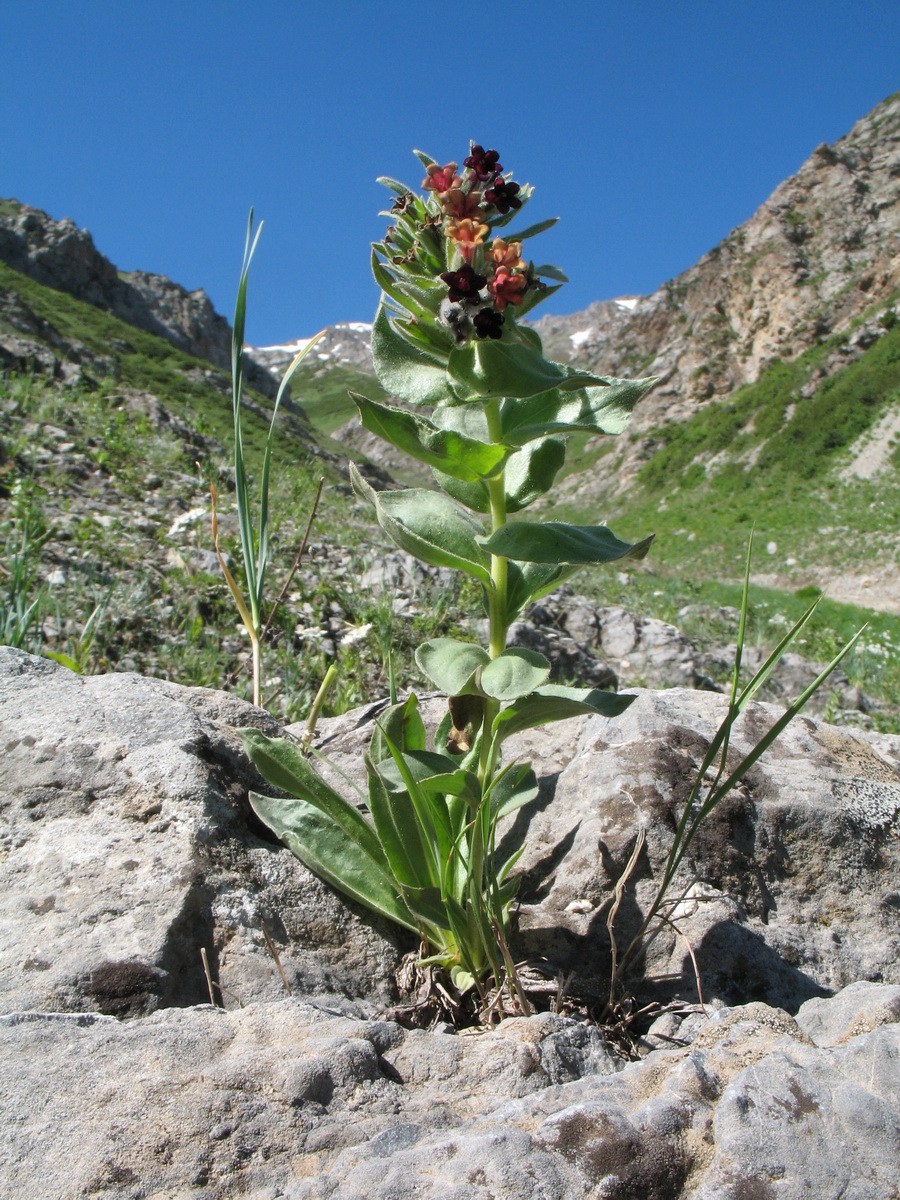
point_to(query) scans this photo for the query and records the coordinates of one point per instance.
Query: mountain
(779, 399)
(60, 255)
(821, 252)
(779, 408)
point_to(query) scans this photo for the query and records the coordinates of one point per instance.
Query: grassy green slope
(324, 393)
(150, 363)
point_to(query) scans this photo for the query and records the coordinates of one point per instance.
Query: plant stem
(498, 594)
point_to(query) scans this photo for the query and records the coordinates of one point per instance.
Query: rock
(128, 845)
(858, 1008)
(792, 879)
(282, 1099)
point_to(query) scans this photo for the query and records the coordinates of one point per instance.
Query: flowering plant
(489, 414)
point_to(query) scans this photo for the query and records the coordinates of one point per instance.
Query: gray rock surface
(283, 1101)
(128, 845)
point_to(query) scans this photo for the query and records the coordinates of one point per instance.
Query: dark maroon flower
(503, 196)
(488, 323)
(464, 284)
(484, 164)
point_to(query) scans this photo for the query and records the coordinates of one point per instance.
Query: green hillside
(106, 549)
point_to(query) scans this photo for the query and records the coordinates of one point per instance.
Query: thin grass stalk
(688, 828)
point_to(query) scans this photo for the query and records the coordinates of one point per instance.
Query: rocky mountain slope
(60, 255)
(823, 249)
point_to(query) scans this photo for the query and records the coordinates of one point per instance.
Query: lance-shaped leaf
(531, 472)
(285, 766)
(393, 184)
(605, 408)
(515, 785)
(323, 846)
(402, 725)
(556, 542)
(548, 271)
(555, 703)
(514, 673)
(450, 664)
(429, 906)
(473, 495)
(450, 452)
(404, 371)
(433, 772)
(429, 525)
(493, 369)
(531, 230)
(407, 850)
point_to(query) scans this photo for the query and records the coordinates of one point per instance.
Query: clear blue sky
(650, 128)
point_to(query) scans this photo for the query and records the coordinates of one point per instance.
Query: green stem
(497, 601)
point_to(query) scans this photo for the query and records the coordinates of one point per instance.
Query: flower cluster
(468, 205)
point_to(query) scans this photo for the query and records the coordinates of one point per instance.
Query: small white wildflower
(354, 634)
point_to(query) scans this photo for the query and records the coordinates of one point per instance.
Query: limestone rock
(284, 1101)
(128, 845)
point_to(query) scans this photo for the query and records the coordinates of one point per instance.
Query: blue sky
(650, 128)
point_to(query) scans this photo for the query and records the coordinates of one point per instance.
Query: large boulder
(128, 847)
(283, 1101)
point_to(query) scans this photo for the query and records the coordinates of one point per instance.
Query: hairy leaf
(429, 525)
(407, 373)
(556, 542)
(514, 673)
(451, 664)
(450, 452)
(555, 703)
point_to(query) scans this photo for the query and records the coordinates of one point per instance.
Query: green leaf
(514, 673)
(555, 703)
(450, 664)
(433, 772)
(323, 846)
(407, 373)
(492, 370)
(527, 582)
(605, 408)
(531, 230)
(473, 495)
(424, 158)
(399, 831)
(531, 472)
(285, 766)
(393, 184)
(516, 785)
(403, 725)
(548, 271)
(428, 905)
(450, 452)
(556, 542)
(429, 525)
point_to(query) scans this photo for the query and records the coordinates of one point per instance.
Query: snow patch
(579, 338)
(628, 302)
